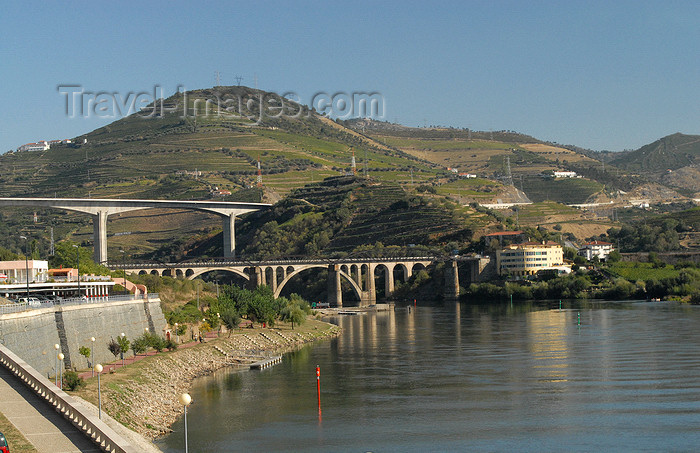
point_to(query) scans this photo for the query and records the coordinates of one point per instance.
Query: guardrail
(94, 428)
(25, 306)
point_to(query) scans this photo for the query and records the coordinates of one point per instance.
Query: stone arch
(356, 274)
(167, 273)
(300, 269)
(143, 272)
(388, 270)
(179, 273)
(192, 274)
(404, 270)
(155, 272)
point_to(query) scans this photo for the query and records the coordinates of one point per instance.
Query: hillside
(206, 143)
(678, 153)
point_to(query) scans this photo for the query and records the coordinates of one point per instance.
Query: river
(593, 376)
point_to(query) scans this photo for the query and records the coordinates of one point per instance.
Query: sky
(600, 75)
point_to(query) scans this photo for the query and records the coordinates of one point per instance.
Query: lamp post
(185, 400)
(120, 349)
(98, 368)
(55, 379)
(92, 344)
(77, 252)
(60, 359)
(26, 262)
(124, 268)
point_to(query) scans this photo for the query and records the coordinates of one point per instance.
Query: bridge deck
(38, 422)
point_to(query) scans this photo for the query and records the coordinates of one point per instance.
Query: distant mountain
(668, 153)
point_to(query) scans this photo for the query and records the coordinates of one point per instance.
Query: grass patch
(17, 442)
(642, 271)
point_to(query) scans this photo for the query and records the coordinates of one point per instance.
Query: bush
(72, 382)
(170, 345)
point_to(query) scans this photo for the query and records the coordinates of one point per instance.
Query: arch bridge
(359, 273)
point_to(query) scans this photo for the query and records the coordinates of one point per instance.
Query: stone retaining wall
(32, 334)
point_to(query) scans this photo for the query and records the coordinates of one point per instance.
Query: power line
(238, 79)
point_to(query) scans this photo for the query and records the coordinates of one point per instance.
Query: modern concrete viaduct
(100, 209)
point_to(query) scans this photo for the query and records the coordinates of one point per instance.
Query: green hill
(671, 152)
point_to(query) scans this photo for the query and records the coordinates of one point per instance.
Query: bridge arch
(296, 271)
(192, 274)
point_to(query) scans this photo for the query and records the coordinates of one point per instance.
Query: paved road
(40, 424)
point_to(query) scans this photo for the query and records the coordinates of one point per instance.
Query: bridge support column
(388, 281)
(99, 236)
(451, 292)
(229, 236)
(370, 292)
(335, 290)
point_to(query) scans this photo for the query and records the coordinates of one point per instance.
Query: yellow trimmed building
(529, 257)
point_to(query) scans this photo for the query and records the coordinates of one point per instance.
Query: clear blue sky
(603, 75)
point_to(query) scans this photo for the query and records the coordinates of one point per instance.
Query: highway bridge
(101, 209)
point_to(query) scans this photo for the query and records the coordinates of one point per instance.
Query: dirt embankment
(144, 396)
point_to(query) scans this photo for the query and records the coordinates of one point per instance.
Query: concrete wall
(32, 334)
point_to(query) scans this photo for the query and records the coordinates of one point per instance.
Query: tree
(85, 351)
(124, 344)
(230, 318)
(114, 347)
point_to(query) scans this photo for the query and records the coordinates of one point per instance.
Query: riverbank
(144, 395)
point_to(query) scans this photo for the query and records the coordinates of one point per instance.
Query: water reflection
(469, 377)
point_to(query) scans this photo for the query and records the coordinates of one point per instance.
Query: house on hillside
(564, 174)
(528, 258)
(41, 145)
(596, 248)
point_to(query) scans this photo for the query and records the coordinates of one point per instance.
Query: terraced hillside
(343, 213)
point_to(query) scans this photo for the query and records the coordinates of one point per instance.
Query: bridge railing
(24, 306)
(213, 263)
(94, 428)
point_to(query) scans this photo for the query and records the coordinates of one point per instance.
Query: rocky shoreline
(144, 396)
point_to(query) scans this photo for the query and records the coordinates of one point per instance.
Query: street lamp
(55, 379)
(185, 400)
(120, 349)
(26, 262)
(124, 268)
(92, 340)
(60, 359)
(98, 368)
(77, 252)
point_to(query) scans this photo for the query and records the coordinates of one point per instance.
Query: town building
(596, 248)
(528, 258)
(564, 174)
(41, 145)
(16, 271)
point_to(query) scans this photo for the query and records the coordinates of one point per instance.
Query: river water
(593, 376)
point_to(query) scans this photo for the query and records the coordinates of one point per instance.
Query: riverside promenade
(38, 421)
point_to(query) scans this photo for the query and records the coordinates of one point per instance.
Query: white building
(41, 145)
(596, 248)
(16, 271)
(564, 174)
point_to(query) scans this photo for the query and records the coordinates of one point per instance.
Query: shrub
(72, 382)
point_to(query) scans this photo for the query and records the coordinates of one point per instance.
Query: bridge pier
(335, 290)
(451, 291)
(229, 236)
(99, 236)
